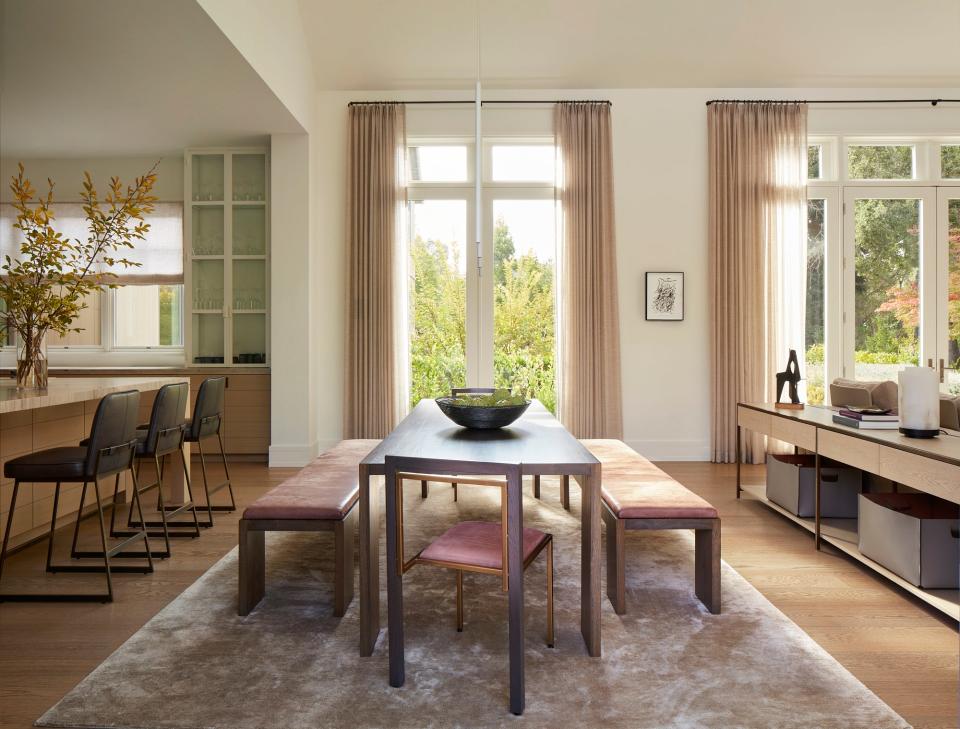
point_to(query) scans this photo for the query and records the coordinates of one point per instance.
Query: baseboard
(671, 450)
(292, 456)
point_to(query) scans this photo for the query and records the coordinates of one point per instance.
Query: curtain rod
(488, 101)
(932, 102)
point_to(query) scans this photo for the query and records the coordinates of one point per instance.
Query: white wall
(660, 171)
(68, 175)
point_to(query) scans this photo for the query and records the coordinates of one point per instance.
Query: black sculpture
(791, 375)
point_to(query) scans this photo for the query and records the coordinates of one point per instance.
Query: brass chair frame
(403, 565)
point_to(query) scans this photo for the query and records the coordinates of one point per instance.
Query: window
(438, 163)
(486, 320)
(522, 163)
(815, 300)
(815, 162)
(143, 312)
(950, 161)
(880, 162)
(148, 316)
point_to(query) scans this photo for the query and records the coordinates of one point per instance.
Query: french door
(948, 288)
(487, 319)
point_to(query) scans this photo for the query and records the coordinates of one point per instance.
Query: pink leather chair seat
(478, 543)
(324, 489)
(634, 488)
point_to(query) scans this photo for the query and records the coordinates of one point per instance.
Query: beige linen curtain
(373, 393)
(589, 328)
(758, 156)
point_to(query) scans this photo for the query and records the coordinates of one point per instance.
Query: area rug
(291, 665)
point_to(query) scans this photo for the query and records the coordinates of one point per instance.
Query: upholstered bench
(638, 495)
(320, 497)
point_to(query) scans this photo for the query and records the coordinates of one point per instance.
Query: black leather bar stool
(156, 440)
(110, 452)
(206, 422)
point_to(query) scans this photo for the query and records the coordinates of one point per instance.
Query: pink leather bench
(638, 495)
(320, 497)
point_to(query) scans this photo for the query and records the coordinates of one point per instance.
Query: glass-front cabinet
(227, 267)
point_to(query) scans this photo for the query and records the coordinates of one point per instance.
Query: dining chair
(470, 546)
(109, 451)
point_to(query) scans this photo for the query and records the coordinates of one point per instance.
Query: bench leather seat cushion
(478, 543)
(634, 488)
(323, 489)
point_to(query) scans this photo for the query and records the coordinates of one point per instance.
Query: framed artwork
(664, 296)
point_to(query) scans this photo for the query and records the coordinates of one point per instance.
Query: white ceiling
(125, 77)
(384, 44)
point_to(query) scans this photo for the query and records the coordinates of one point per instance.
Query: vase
(32, 360)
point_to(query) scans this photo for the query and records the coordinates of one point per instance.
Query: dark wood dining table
(540, 444)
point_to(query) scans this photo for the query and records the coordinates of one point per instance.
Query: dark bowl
(481, 418)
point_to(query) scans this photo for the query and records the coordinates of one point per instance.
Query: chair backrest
(397, 468)
(208, 410)
(114, 425)
(167, 418)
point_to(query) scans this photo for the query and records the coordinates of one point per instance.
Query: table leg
(590, 554)
(369, 564)
(515, 577)
(394, 585)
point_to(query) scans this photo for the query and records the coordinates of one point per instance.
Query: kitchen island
(61, 415)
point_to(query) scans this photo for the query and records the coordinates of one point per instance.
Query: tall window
(488, 319)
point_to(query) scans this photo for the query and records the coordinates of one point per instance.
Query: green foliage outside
(950, 161)
(169, 316)
(524, 339)
(813, 161)
(880, 162)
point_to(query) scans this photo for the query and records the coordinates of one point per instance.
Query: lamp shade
(919, 401)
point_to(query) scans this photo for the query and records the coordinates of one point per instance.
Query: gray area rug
(291, 665)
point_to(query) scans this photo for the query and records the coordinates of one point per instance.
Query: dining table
(541, 446)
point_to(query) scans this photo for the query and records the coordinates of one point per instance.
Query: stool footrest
(93, 568)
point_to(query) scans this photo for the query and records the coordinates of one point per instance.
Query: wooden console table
(932, 466)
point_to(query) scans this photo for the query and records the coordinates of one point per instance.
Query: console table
(932, 466)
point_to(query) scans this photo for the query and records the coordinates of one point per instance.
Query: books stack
(867, 419)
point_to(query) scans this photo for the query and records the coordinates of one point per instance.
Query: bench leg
(536, 487)
(616, 577)
(252, 568)
(565, 492)
(424, 490)
(707, 558)
(343, 532)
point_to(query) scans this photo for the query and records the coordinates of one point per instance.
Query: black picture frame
(653, 310)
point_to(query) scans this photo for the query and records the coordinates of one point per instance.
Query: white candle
(919, 399)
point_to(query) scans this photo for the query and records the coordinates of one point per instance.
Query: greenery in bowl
(496, 399)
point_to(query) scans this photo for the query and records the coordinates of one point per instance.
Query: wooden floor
(898, 647)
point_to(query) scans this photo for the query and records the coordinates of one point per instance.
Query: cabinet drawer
(925, 474)
(852, 451)
(753, 420)
(794, 432)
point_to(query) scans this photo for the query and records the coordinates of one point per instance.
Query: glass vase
(32, 360)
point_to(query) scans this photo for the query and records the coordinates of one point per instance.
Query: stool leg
(113, 511)
(186, 480)
(161, 509)
(206, 484)
(76, 527)
(550, 593)
(53, 526)
(459, 601)
(6, 534)
(143, 529)
(130, 511)
(103, 540)
(226, 471)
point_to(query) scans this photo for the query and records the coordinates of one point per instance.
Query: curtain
(589, 330)
(160, 253)
(758, 165)
(375, 351)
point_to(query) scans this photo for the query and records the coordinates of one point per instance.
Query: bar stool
(472, 546)
(161, 437)
(110, 451)
(206, 422)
